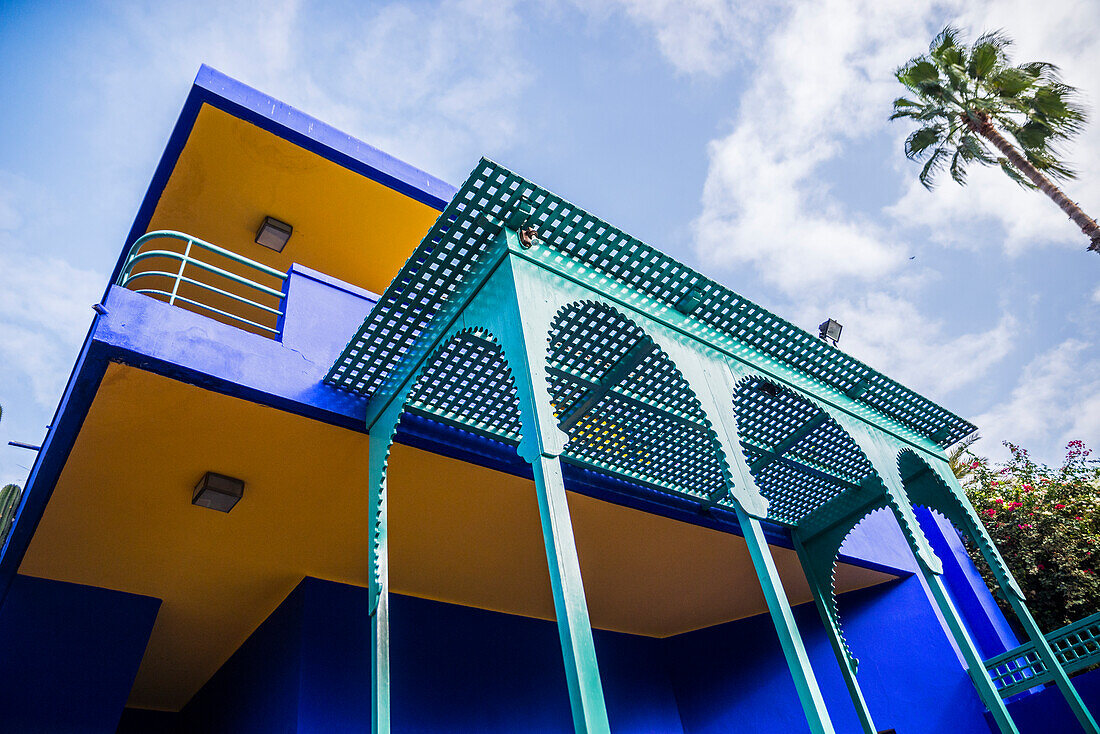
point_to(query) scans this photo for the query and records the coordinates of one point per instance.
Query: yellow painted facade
(231, 174)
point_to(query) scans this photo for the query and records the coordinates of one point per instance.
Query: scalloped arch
(649, 425)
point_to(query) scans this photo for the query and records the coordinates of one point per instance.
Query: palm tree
(968, 98)
(961, 460)
(9, 503)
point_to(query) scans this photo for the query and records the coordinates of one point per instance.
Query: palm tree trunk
(1087, 224)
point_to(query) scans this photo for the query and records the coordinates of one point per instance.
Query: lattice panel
(648, 426)
(830, 448)
(822, 464)
(469, 382)
(428, 284)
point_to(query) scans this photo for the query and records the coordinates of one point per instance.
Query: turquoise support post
(948, 497)
(1052, 664)
(846, 663)
(797, 660)
(578, 650)
(931, 568)
(381, 436)
(974, 665)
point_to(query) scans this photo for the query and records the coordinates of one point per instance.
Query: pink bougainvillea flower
(993, 483)
(1059, 507)
(975, 465)
(1025, 526)
(1028, 488)
(991, 512)
(998, 500)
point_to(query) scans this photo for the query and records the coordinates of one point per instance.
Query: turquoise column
(518, 305)
(574, 628)
(974, 665)
(379, 449)
(953, 504)
(819, 589)
(817, 716)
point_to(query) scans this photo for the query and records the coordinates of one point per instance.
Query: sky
(749, 140)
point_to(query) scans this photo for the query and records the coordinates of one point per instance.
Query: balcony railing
(1077, 646)
(203, 276)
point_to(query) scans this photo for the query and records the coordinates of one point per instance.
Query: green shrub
(1046, 523)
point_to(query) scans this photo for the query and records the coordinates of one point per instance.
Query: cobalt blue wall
(307, 669)
(256, 690)
(1047, 712)
(733, 678)
(69, 654)
(458, 669)
(987, 625)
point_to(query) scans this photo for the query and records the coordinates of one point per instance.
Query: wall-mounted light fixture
(830, 331)
(218, 492)
(689, 301)
(274, 234)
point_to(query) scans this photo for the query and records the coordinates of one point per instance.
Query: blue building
(619, 496)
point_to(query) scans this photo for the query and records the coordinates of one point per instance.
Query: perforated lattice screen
(426, 287)
(468, 382)
(642, 420)
(796, 469)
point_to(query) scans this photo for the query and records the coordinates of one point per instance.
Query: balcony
(190, 273)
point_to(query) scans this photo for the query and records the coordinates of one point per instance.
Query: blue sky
(749, 140)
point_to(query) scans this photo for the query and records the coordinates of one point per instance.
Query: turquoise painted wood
(380, 441)
(525, 319)
(1077, 646)
(797, 660)
(581, 670)
(848, 664)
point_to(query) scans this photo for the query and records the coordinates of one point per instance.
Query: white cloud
(823, 81)
(931, 356)
(45, 309)
(436, 85)
(1056, 400)
(697, 36)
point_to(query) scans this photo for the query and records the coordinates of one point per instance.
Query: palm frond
(921, 140)
(958, 167)
(1015, 175)
(933, 166)
(1045, 161)
(974, 149)
(1009, 82)
(944, 40)
(1041, 71)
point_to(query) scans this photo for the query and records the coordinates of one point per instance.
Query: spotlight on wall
(830, 331)
(767, 388)
(274, 234)
(689, 301)
(218, 492)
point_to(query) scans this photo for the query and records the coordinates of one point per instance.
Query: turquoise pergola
(525, 319)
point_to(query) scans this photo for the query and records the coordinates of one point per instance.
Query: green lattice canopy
(624, 405)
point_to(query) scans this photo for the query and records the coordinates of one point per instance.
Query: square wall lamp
(218, 492)
(273, 234)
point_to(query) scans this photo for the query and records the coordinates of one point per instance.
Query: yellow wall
(120, 517)
(231, 174)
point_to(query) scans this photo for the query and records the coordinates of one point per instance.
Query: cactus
(9, 503)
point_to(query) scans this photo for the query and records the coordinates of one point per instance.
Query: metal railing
(198, 286)
(1077, 646)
